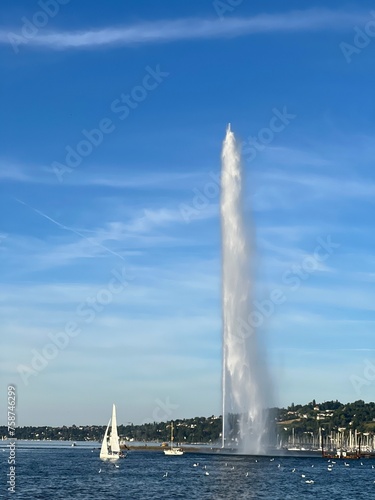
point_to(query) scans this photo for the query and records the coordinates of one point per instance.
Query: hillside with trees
(299, 420)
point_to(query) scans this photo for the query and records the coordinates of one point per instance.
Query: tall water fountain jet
(244, 375)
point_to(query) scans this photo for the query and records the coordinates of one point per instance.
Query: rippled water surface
(64, 473)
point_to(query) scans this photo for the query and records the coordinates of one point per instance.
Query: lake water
(55, 472)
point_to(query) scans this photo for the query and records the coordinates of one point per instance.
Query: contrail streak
(67, 228)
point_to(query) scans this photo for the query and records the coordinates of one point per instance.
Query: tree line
(302, 418)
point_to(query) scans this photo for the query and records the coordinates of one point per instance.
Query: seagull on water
(100, 470)
(309, 481)
(206, 473)
(294, 470)
(166, 474)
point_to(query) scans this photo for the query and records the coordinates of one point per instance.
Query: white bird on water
(206, 473)
(294, 470)
(166, 474)
(100, 470)
(117, 466)
(309, 481)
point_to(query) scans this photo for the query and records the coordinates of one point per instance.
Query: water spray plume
(244, 375)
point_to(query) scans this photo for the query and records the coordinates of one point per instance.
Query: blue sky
(142, 204)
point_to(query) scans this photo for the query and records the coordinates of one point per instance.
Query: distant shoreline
(202, 449)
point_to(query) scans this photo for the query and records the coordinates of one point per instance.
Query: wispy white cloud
(325, 185)
(12, 172)
(195, 28)
(295, 157)
(353, 297)
(117, 177)
(278, 188)
(135, 232)
(162, 180)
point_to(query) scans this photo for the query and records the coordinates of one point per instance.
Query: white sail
(114, 440)
(104, 448)
(110, 449)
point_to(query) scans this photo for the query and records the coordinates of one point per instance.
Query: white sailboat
(110, 449)
(173, 451)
